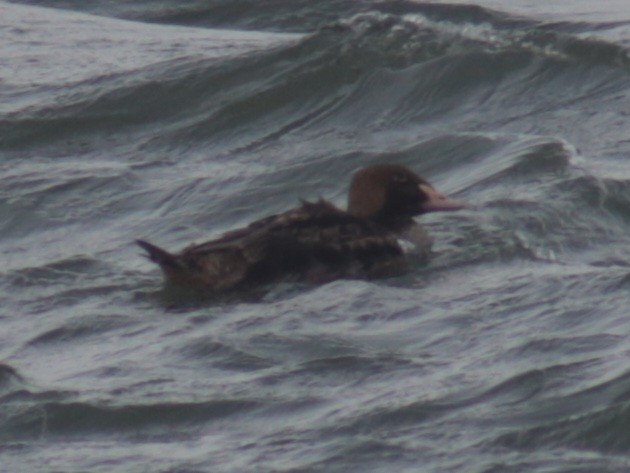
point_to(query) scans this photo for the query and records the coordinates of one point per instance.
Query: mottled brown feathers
(294, 242)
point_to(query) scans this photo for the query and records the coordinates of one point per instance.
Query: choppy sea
(177, 121)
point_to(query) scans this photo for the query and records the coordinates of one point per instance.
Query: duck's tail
(166, 260)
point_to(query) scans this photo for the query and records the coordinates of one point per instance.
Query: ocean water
(178, 121)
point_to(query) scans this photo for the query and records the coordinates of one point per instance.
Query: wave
(444, 57)
(600, 427)
(488, 27)
(10, 379)
(68, 419)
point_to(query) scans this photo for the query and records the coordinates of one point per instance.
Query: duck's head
(392, 194)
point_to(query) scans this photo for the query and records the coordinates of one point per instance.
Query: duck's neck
(395, 224)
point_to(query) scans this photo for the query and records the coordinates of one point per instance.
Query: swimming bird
(316, 241)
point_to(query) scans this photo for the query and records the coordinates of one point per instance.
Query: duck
(316, 242)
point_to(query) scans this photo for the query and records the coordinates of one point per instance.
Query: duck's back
(314, 242)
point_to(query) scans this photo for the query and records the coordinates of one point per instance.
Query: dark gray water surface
(176, 122)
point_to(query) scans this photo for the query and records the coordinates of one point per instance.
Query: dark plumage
(315, 242)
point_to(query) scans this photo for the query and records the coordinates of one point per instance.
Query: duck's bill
(437, 202)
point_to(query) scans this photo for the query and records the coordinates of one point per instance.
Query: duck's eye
(400, 178)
